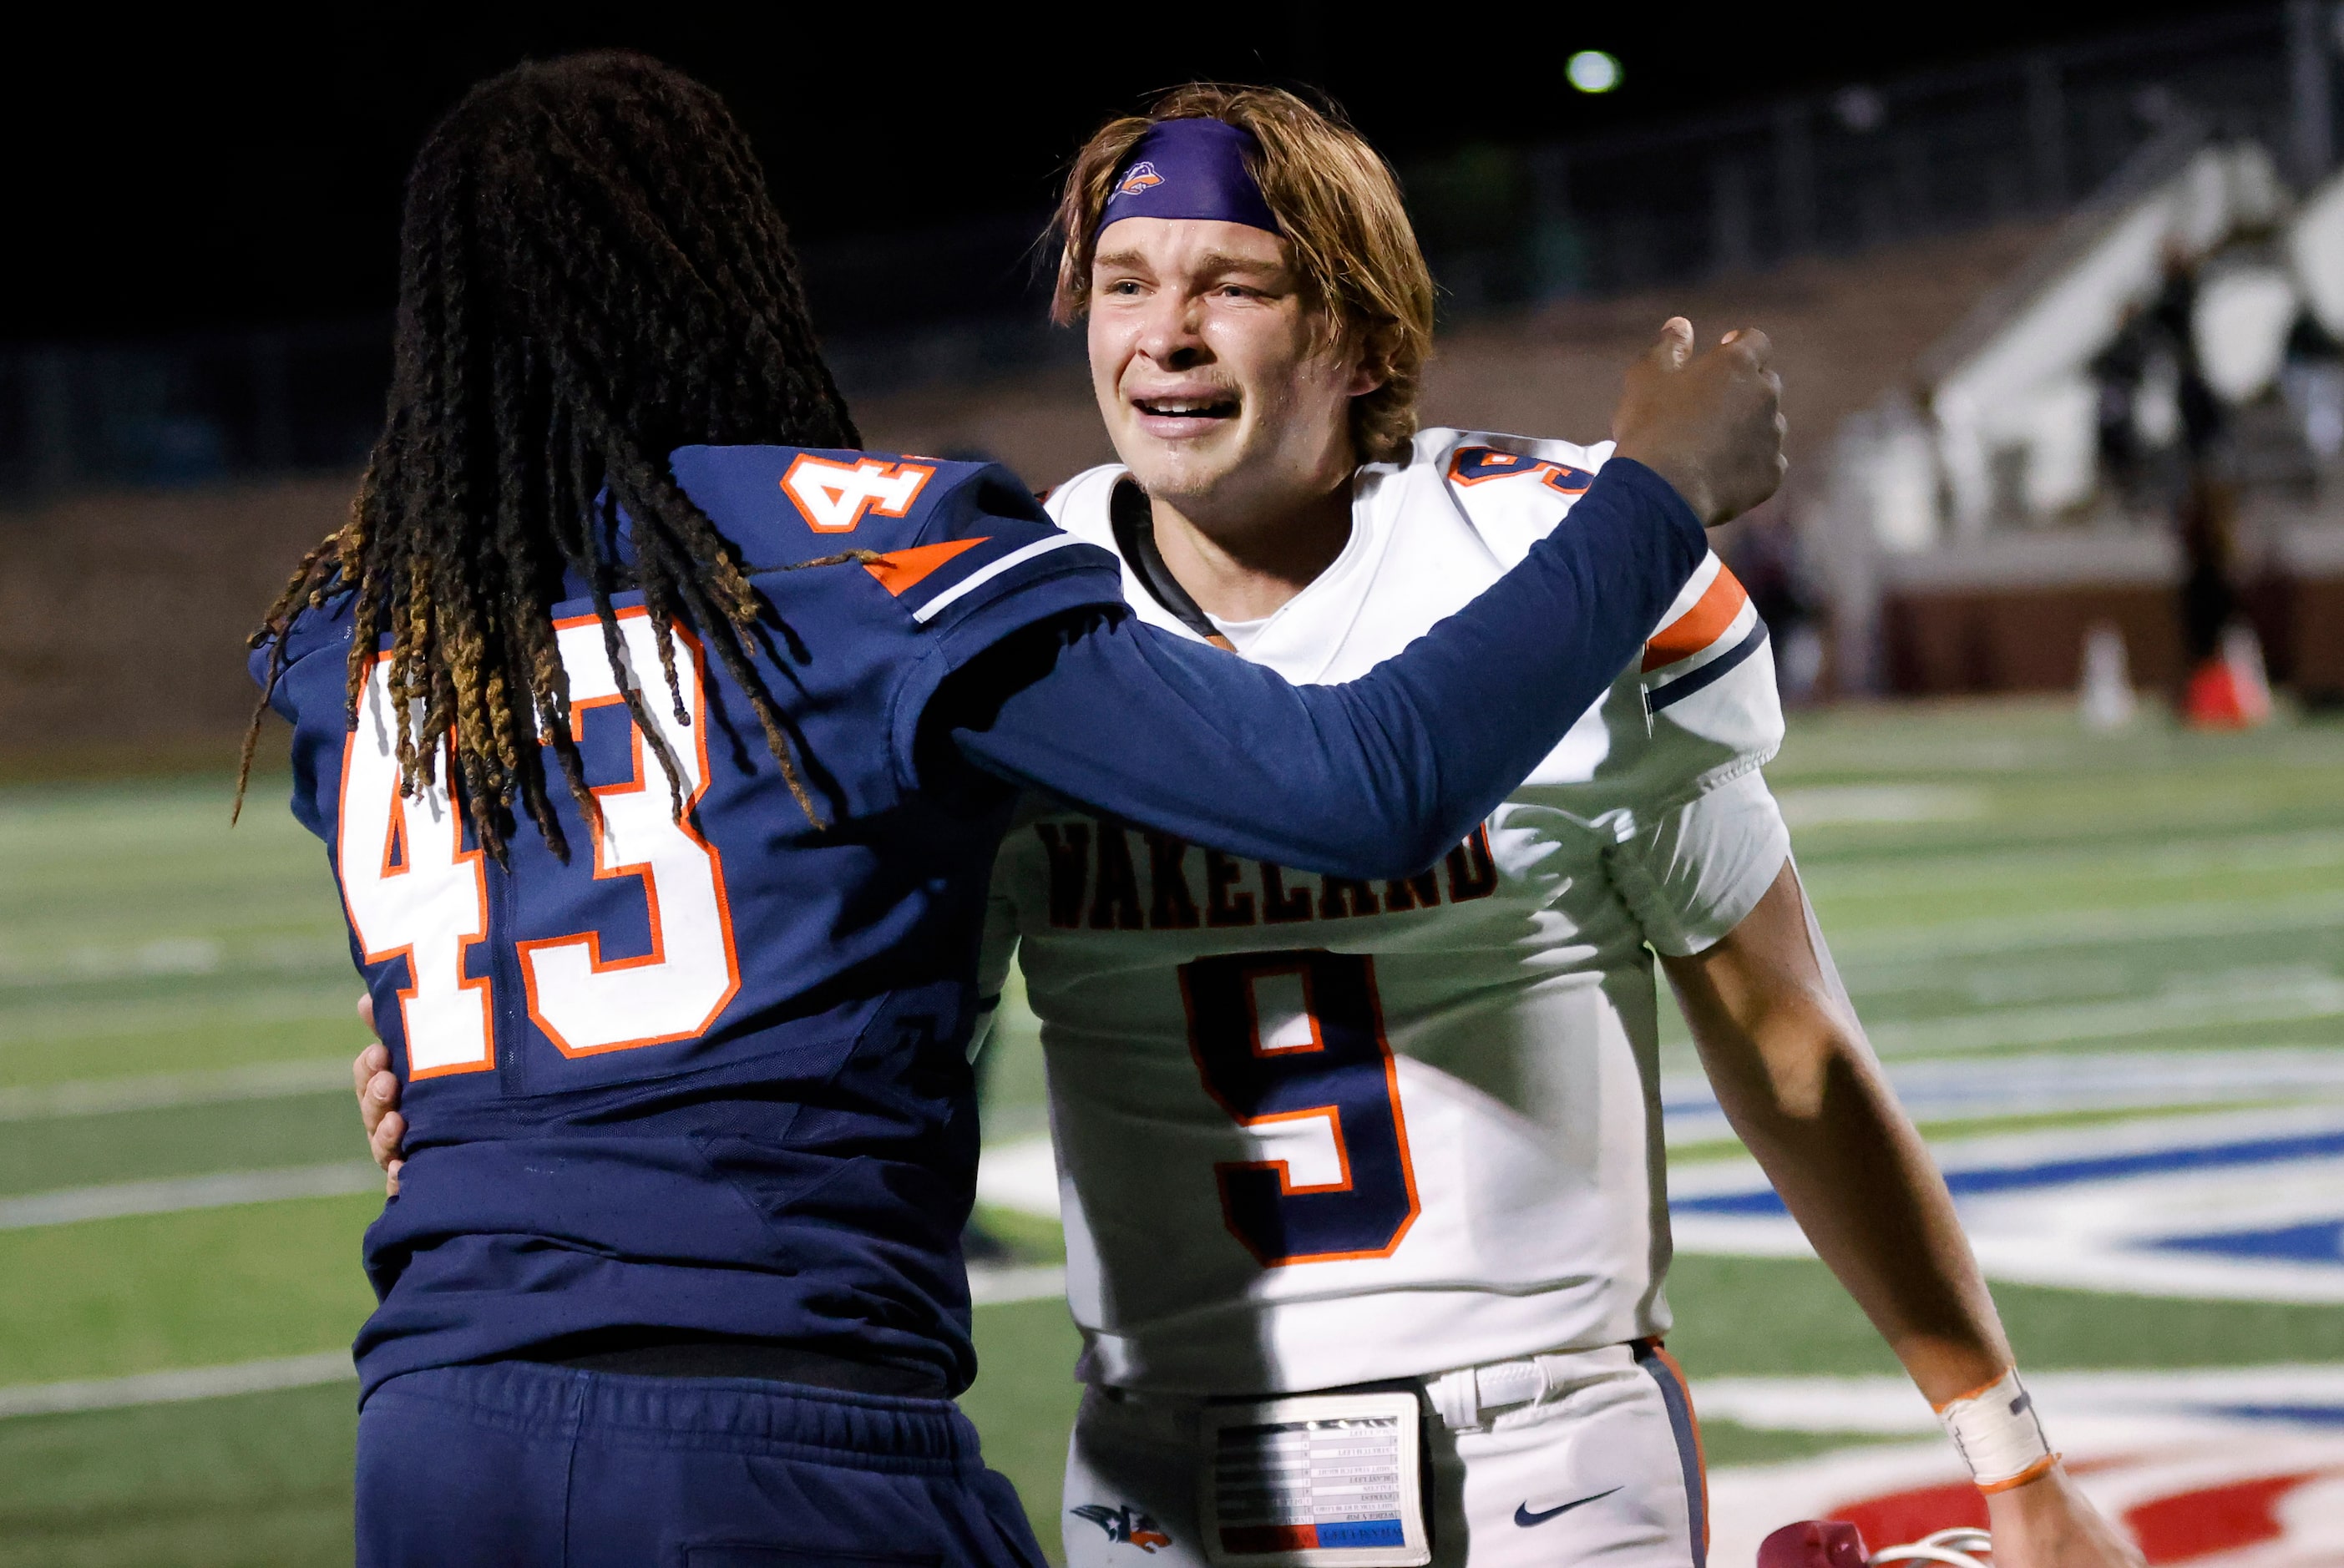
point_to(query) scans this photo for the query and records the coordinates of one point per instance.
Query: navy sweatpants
(519, 1465)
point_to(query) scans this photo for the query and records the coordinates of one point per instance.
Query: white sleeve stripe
(1728, 637)
(1695, 588)
(978, 579)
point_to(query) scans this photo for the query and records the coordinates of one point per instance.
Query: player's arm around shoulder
(1794, 1076)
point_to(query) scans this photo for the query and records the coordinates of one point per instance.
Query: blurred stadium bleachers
(1898, 239)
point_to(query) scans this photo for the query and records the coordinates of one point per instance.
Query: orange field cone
(2229, 691)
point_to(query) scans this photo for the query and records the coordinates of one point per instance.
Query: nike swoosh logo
(1525, 1518)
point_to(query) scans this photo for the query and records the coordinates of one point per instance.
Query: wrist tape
(1998, 1434)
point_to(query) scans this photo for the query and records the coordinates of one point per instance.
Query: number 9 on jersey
(1292, 1046)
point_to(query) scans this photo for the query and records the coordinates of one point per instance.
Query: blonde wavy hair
(1340, 208)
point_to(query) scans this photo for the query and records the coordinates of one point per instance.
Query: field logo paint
(2226, 1493)
(2239, 1206)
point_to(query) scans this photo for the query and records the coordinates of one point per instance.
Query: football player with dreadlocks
(672, 1275)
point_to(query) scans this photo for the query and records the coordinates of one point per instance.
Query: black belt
(766, 1361)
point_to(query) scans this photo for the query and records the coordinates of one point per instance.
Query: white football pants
(1599, 1464)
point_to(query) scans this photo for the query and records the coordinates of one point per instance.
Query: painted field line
(2001, 867)
(76, 1204)
(1831, 805)
(991, 1285)
(324, 959)
(327, 1005)
(2083, 1084)
(1020, 1174)
(170, 1388)
(2023, 933)
(2247, 998)
(1890, 1406)
(165, 1091)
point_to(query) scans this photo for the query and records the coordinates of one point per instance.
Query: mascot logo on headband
(1138, 179)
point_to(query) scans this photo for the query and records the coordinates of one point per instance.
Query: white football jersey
(1313, 1132)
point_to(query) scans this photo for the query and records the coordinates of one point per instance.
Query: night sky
(214, 173)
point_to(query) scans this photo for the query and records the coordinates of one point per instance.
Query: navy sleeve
(1374, 778)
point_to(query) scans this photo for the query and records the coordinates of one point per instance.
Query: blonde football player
(1363, 1182)
(1323, 1141)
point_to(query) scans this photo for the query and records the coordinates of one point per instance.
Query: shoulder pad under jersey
(1513, 490)
(1699, 708)
(1081, 505)
(1700, 705)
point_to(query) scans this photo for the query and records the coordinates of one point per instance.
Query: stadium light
(1592, 71)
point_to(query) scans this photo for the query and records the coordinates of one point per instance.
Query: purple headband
(1189, 168)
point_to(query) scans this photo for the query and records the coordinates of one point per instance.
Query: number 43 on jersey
(414, 890)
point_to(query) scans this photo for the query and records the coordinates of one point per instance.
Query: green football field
(182, 1190)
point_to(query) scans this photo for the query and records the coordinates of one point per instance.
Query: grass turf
(252, 1480)
(203, 1288)
(44, 1154)
(264, 1479)
(1973, 862)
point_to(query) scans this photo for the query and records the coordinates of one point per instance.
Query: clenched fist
(1709, 424)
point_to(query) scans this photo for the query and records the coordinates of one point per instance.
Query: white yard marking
(1890, 1406)
(990, 1285)
(166, 1091)
(2228, 999)
(2056, 1082)
(329, 1005)
(2176, 861)
(1022, 1175)
(1887, 949)
(170, 1388)
(76, 1204)
(1831, 805)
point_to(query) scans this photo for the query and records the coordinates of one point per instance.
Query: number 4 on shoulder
(833, 496)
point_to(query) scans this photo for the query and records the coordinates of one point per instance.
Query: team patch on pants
(1599, 1468)
(1327, 1480)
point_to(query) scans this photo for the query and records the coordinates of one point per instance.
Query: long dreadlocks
(591, 274)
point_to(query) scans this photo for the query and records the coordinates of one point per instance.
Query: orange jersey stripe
(1699, 626)
(2035, 1472)
(900, 569)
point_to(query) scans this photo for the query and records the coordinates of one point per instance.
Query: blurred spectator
(2203, 419)
(2313, 385)
(2158, 416)
(2207, 516)
(1765, 555)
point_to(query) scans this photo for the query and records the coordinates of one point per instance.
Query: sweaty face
(1221, 386)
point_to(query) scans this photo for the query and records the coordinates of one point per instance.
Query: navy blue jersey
(707, 1078)
(710, 1076)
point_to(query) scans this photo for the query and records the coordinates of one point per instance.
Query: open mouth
(1184, 410)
